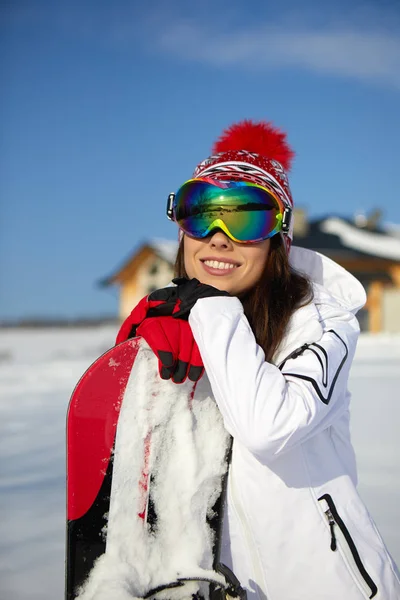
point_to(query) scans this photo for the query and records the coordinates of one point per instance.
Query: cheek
(189, 257)
(259, 258)
(257, 262)
(257, 269)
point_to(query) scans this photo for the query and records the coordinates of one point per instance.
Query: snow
(167, 249)
(392, 229)
(376, 244)
(38, 370)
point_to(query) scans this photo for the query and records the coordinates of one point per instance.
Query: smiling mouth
(220, 265)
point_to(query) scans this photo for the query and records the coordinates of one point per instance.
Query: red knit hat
(256, 152)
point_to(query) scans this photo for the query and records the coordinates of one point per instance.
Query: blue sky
(106, 107)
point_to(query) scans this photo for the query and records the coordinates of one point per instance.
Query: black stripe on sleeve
(322, 395)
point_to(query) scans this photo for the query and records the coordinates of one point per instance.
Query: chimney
(301, 227)
(369, 221)
(374, 218)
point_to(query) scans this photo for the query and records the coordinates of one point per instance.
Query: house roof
(343, 237)
(165, 249)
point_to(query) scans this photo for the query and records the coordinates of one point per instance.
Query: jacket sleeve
(270, 409)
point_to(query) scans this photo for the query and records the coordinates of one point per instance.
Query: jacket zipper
(258, 572)
(341, 538)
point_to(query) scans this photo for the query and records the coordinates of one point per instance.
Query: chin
(214, 281)
(223, 286)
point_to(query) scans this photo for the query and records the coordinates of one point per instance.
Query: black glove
(188, 292)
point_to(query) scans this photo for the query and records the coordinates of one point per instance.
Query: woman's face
(218, 261)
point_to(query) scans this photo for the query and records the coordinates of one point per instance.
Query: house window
(153, 269)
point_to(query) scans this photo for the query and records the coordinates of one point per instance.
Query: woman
(275, 328)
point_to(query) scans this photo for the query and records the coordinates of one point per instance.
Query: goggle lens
(246, 212)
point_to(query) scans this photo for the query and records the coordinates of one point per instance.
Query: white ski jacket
(295, 527)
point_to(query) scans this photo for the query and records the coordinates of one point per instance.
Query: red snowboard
(91, 427)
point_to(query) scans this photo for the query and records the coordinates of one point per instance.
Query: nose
(220, 241)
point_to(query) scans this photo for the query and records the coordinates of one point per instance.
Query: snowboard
(147, 462)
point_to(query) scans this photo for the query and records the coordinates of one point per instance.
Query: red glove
(139, 313)
(170, 339)
(173, 342)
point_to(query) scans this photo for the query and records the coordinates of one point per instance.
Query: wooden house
(372, 254)
(149, 268)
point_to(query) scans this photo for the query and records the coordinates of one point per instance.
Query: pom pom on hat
(260, 137)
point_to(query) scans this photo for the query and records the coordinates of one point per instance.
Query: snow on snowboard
(146, 469)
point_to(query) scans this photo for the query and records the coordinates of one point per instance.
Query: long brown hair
(269, 305)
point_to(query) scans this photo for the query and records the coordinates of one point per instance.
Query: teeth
(215, 264)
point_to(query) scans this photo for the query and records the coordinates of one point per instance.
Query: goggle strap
(286, 219)
(170, 204)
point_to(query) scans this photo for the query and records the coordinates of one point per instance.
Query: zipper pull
(331, 521)
(299, 351)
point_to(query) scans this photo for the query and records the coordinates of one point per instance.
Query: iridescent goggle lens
(245, 211)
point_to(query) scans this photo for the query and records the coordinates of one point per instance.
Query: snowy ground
(38, 370)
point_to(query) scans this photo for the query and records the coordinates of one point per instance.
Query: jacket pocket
(341, 538)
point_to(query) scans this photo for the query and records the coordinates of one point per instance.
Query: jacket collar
(333, 286)
(332, 283)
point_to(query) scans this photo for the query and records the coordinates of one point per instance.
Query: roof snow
(165, 249)
(362, 240)
(393, 229)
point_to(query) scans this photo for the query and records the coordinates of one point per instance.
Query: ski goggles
(244, 211)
